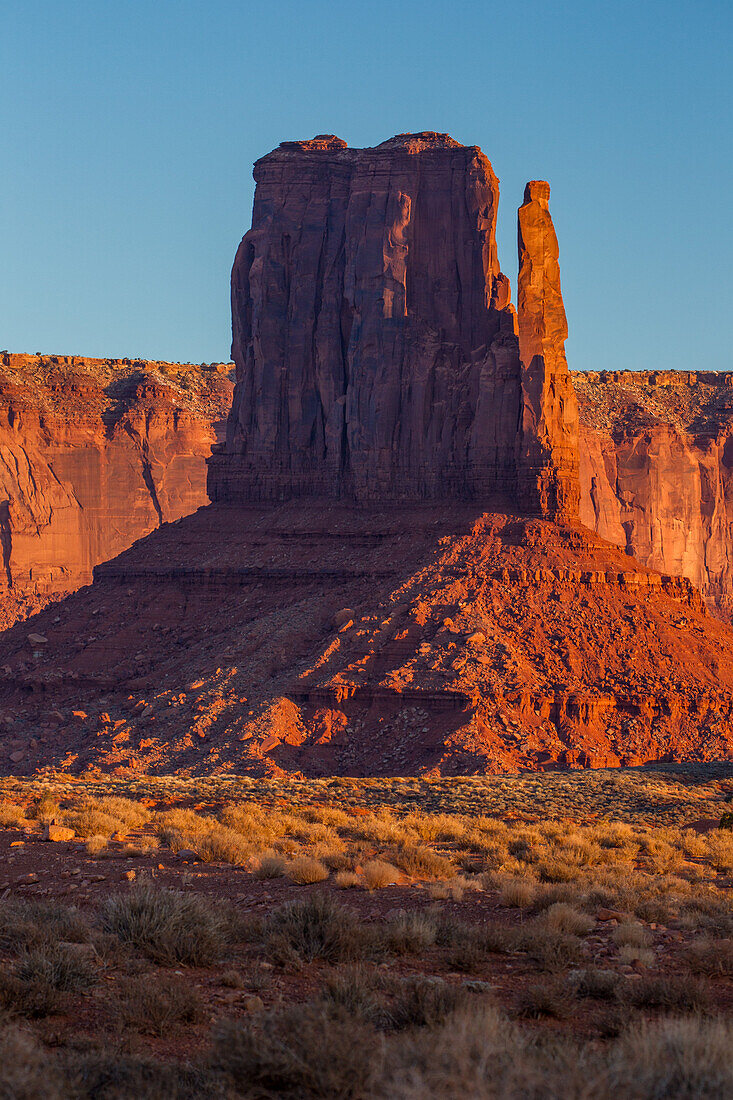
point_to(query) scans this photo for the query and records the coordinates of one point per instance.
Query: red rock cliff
(375, 344)
(93, 455)
(656, 470)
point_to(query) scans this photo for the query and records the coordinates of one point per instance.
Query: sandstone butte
(394, 577)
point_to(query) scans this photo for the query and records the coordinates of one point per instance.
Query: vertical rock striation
(548, 463)
(376, 348)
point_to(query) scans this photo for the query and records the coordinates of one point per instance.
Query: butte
(392, 577)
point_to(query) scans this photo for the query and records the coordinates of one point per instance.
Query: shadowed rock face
(375, 344)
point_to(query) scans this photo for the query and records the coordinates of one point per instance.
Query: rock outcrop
(656, 470)
(93, 455)
(374, 339)
(549, 434)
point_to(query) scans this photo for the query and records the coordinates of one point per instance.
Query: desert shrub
(317, 928)
(426, 1002)
(305, 870)
(157, 1005)
(45, 808)
(95, 845)
(89, 820)
(670, 992)
(710, 956)
(552, 950)
(410, 933)
(101, 1075)
(378, 874)
(302, 1052)
(476, 1053)
(421, 862)
(550, 999)
(601, 985)
(167, 926)
(518, 893)
(11, 814)
(629, 955)
(631, 934)
(269, 865)
(56, 967)
(346, 880)
(26, 924)
(32, 1000)
(562, 917)
(132, 813)
(354, 989)
(686, 1059)
(26, 1071)
(219, 844)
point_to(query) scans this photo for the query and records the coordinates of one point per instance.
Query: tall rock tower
(377, 351)
(548, 439)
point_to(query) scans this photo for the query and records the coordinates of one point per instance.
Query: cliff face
(375, 344)
(93, 455)
(656, 470)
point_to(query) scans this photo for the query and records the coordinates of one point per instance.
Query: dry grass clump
(156, 1005)
(269, 865)
(305, 870)
(166, 925)
(26, 925)
(347, 880)
(711, 956)
(58, 968)
(674, 993)
(410, 933)
(316, 928)
(598, 984)
(12, 814)
(378, 874)
(90, 820)
(518, 893)
(422, 863)
(631, 934)
(305, 1051)
(561, 917)
(551, 999)
(426, 1002)
(26, 1070)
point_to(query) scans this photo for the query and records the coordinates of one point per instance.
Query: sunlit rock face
(549, 435)
(94, 454)
(656, 470)
(376, 347)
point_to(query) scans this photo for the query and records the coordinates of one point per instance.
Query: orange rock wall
(656, 470)
(93, 455)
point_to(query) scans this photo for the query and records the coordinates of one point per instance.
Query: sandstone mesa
(394, 576)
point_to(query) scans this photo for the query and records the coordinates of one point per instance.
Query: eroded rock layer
(95, 453)
(374, 339)
(656, 470)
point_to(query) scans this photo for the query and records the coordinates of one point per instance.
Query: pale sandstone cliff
(656, 470)
(93, 455)
(375, 343)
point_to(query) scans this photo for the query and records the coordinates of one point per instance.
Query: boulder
(55, 832)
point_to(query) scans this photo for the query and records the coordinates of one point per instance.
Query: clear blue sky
(129, 130)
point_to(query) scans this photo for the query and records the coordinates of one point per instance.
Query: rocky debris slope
(338, 640)
(95, 453)
(375, 342)
(656, 470)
